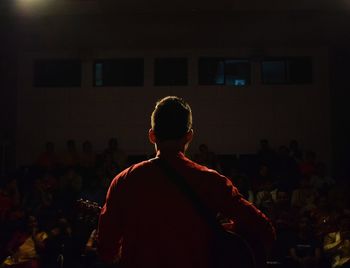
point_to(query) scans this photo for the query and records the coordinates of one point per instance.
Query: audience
(71, 157)
(305, 250)
(206, 157)
(304, 197)
(308, 207)
(337, 244)
(88, 157)
(295, 152)
(115, 156)
(320, 180)
(48, 159)
(24, 246)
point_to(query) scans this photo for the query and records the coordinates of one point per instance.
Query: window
(221, 71)
(170, 72)
(57, 73)
(119, 72)
(294, 70)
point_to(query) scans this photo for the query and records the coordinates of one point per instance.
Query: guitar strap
(187, 190)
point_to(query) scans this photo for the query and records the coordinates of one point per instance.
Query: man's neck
(170, 147)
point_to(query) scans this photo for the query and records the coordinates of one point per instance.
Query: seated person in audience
(60, 250)
(282, 210)
(115, 156)
(91, 244)
(305, 249)
(320, 181)
(48, 159)
(25, 245)
(91, 259)
(49, 182)
(10, 197)
(285, 168)
(324, 215)
(284, 219)
(307, 167)
(263, 175)
(88, 156)
(303, 198)
(294, 151)
(337, 244)
(93, 191)
(339, 194)
(70, 185)
(71, 180)
(37, 197)
(243, 183)
(71, 157)
(266, 196)
(265, 153)
(206, 158)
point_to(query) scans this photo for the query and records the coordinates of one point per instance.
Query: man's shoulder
(133, 170)
(186, 167)
(207, 174)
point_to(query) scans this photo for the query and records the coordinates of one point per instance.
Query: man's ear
(152, 136)
(189, 136)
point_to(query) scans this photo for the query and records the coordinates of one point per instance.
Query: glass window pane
(119, 72)
(274, 72)
(237, 72)
(221, 71)
(211, 71)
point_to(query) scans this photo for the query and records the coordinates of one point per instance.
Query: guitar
(87, 212)
(230, 250)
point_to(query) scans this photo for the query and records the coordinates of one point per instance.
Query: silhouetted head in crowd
(344, 222)
(50, 147)
(8, 182)
(305, 183)
(87, 147)
(264, 170)
(282, 199)
(294, 145)
(305, 225)
(32, 222)
(203, 148)
(27, 223)
(71, 146)
(295, 151)
(264, 145)
(310, 157)
(283, 151)
(321, 169)
(171, 123)
(113, 144)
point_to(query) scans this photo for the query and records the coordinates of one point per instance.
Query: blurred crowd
(43, 225)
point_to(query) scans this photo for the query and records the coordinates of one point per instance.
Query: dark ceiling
(86, 24)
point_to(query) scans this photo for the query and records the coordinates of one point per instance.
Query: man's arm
(249, 221)
(109, 233)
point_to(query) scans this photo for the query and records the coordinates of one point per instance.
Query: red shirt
(155, 225)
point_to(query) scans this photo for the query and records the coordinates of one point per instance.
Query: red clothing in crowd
(153, 224)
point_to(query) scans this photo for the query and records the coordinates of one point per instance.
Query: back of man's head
(171, 118)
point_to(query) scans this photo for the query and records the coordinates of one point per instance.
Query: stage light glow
(32, 7)
(29, 3)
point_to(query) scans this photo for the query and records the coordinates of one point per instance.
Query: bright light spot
(32, 7)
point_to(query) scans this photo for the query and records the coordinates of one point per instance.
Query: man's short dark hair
(171, 118)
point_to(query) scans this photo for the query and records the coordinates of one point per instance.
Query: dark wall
(340, 92)
(8, 94)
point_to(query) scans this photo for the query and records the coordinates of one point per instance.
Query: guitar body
(232, 251)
